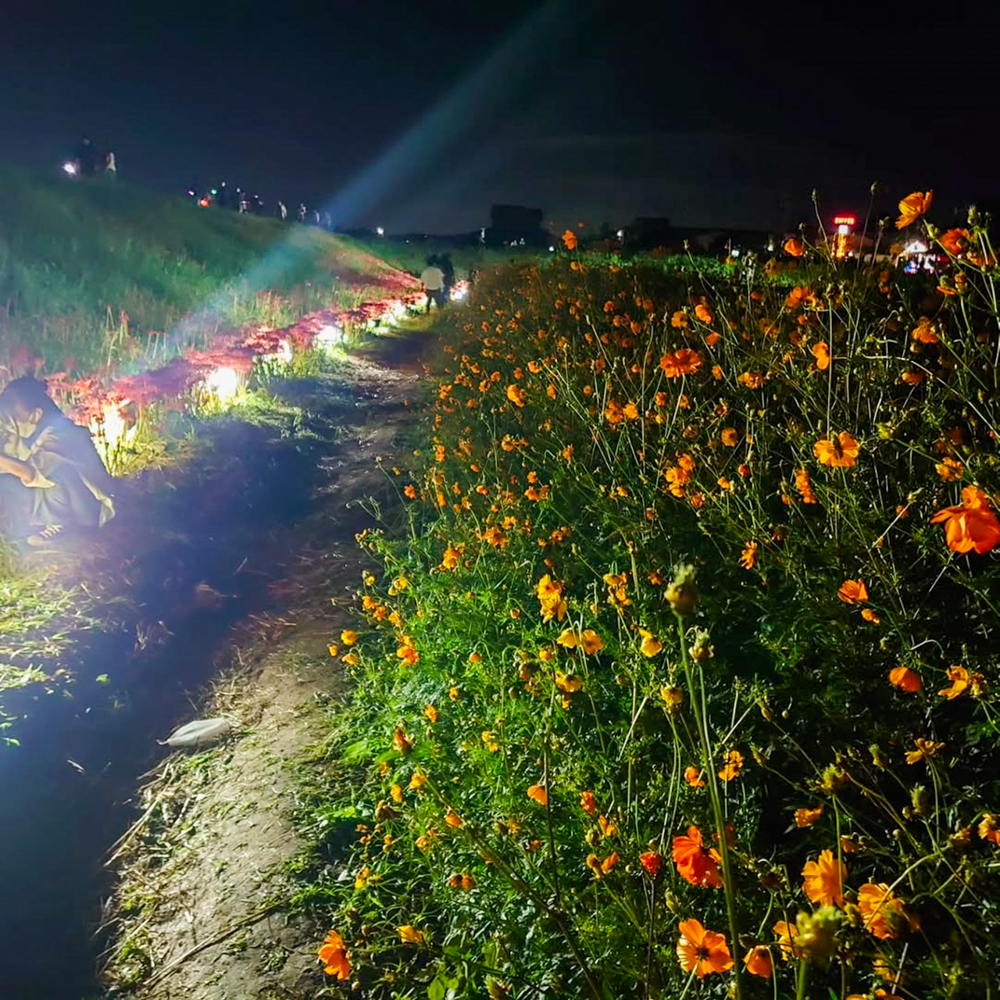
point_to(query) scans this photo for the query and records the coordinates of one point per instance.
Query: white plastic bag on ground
(199, 732)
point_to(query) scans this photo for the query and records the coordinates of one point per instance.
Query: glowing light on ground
(70, 167)
(460, 291)
(110, 427)
(283, 354)
(223, 383)
(328, 337)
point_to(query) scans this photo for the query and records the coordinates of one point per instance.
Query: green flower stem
(699, 708)
(802, 980)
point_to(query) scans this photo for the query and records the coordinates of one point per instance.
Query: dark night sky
(420, 115)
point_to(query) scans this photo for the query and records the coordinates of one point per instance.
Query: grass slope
(89, 269)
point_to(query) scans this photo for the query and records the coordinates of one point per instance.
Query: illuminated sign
(844, 220)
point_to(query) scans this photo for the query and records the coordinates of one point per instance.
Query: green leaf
(436, 990)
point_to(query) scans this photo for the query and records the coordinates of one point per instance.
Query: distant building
(516, 225)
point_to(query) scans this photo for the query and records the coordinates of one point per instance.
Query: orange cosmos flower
(804, 486)
(925, 332)
(652, 862)
(884, 914)
(588, 803)
(729, 437)
(758, 962)
(431, 713)
(853, 592)
(870, 616)
(786, 935)
(568, 683)
(822, 355)
(807, 817)
(407, 653)
(650, 645)
(905, 679)
(695, 863)
(733, 766)
(912, 207)
(959, 678)
(701, 951)
(970, 524)
(334, 956)
(515, 394)
(925, 750)
(949, 469)
(684, 361)
(824, 880)
(410, 935)
(587, 640)
(794, 247)
(955, 241)
(989, 828)
(608, 827)
(749, 557)
(569, 239)
(693, 777)
(839, 452)
(538, 794)
(703, 313)
(550, 597)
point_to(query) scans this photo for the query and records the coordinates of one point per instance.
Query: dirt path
(231, 571)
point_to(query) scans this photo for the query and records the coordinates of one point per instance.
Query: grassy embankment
(411, 256)
(98, 272)
(98, 278)
(692, 627)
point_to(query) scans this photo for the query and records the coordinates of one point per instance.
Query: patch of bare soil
(197, 912)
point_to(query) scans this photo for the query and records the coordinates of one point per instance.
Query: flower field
(681, 681)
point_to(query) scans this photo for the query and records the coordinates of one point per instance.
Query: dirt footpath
(197, 913)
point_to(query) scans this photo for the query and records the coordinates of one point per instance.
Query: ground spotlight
(223, 383)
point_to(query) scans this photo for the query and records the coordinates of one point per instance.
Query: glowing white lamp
(223, 383)
(70, 167)
(328, 337)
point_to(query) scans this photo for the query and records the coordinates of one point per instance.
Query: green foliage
(542, 710)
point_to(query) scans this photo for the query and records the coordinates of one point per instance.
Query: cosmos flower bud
(681, 593)
(817, 934)
(701, 648)
(920, 798)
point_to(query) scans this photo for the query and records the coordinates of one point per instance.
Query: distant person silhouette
(448, 270)
(280, 211)
(301, 212)
(110, 166)
(86, 157)
(432, 278)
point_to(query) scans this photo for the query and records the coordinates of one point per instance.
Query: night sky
(418, 116)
